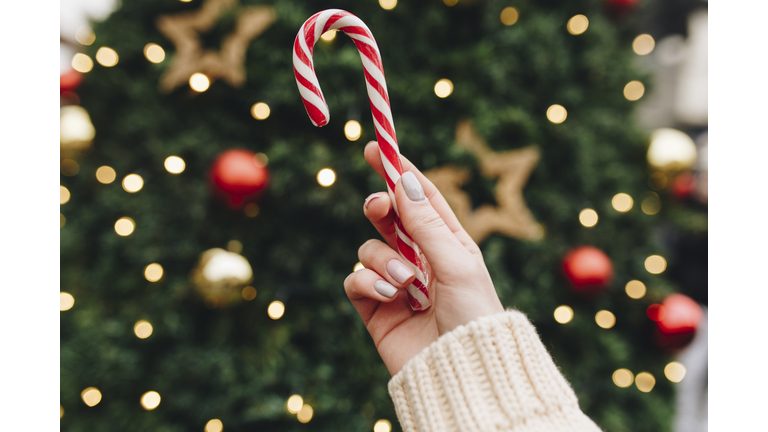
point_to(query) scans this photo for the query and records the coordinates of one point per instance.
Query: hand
(460, 287)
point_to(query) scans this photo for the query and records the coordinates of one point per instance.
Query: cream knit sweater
(492, 374)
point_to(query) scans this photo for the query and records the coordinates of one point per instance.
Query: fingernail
(385, 288)
(412, 187)
(399, 271)
(370, 198)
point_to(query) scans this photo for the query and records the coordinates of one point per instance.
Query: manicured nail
(412, 187)
(385, 288)
(399, 271)
(370, 198)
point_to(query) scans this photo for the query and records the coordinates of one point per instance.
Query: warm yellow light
(69, 167)
(450, 2)
(329, 35)
(261, 159)
(150, 400)
(106, 174)
(61, 411)
(605, 319)
(106, 57)
(249, 293)
(588, 217)
(326, 177)
(387, 4)
(635, 289)
(623, 378)
(651, 204)
(91, 396)
(251, 210)
(133, 183)
(645, 382)
(443, 88)
(185, 1)
(634, 90)
(358, 266)
(82, 63)
(143, 329)
(153, 272)
(577, 24)
(655, 264)
(657, 181)
(62, 220)
(556, 114)
(674, 371)
(671, 149)
(199, 82)
(294, 404)
(154, 53)
(509, 16)
(125, 226)
(305, 413)
(214, 425)
(85, 36)
(643, 44)
(64, 195)
(622, 202)
(276, 309)
(382, 425)
(353, 130)
(563, 314)
(174, 164)
(66, 301)
(260, 111)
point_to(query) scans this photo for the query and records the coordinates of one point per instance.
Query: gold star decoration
(511, 217)
(228, 64)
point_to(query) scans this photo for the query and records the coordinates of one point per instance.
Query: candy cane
(317, 109)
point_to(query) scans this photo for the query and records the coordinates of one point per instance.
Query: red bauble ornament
(677, 319)
(683, 184)
(588, 269)
(69, 80)
(238, 177)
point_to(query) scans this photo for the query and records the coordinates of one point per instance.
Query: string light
(153, 272)
(125, 226)
(276, 309)
(657, 181)
(643, 44)
(69, 168)
(577, 24)
(305, 413)
(382, 425)
(214, 425)
(154, 53)
(326, 177)
(556, 114)
(235, 246)
(251, 210)
(150, 400)
(387, 4)
(106, 57)
(671, 149)
(634, 90)
(623, 378)
(91, 396)
(66, 301)
(82, 63)
(329, 35)
(588, 217)
(294, 404)
(358, 266)
(443, 88)
(61, 411)
(260, 111)
(450, 2)
(635, 289)
(674, 371)
(62, 220)
(622, 202)
(133, 183)
(249, 293)
(143, 329)
(85, 36)
(76, 130)
(353, 130)
(174, 164)
(106, 174)
(64, 195)
(605, 319)
(199, 82)
(509, 16)
(655, 264)
(563, 314)
(651, 203)
(645, 382)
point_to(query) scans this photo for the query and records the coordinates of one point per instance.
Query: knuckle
(426, 222)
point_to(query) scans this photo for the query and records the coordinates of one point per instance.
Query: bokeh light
(645, 382)
(305, 414)
(62, 220)
(358, 266)
(563, 314)
(125, 226)
(353, 130)
(260, 111)
(143, 329)
(326, 177)
(85, 35)
(133, 183)
(154, 53)
(214, 425)
(249, 293)
(294, 404)
(64, 195)
(276, 309)
(106, 174)
(623, 378)
(605, 319)
(153, 272)
(69, 167)
(61, 411)
(656, 312)
(66, 301)
(150, 400)
(387, 4)
(577, 24)
(643, 44)
(509, 16)
(657, 181)
(251, 210)
(450, 2)
(91, 396)
(174, 164)
(443, 88)
(622, 202)
(106, 57)
(635, 289)
(329, 35)
(671, 149)
(588, 217)
(199, 82)
(76, 130)
(655, 264)
(674, 371)
(651, 203)
(556, 114)
(82, 63)
(634, 90)
(382, 425)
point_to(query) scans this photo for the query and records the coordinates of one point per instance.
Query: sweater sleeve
(492, 374)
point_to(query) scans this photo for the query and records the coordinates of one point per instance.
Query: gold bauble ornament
(220, 277)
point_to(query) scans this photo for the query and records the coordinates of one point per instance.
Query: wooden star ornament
(229, 63)
(511, 217)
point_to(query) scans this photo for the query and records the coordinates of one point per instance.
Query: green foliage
(240, 366)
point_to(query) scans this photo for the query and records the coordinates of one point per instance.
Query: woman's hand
(460, 287)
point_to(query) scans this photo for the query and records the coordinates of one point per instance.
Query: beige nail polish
(399, 271)
(412, 187)
(385, 288)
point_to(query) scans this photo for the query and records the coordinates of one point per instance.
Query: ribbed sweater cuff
(492, 374)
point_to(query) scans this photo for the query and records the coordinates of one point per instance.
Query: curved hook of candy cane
(317, 109)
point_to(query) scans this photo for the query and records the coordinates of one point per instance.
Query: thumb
(425, 226)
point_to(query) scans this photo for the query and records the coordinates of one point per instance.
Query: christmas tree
(469, 82)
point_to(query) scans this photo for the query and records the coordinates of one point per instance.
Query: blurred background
(207, 226)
